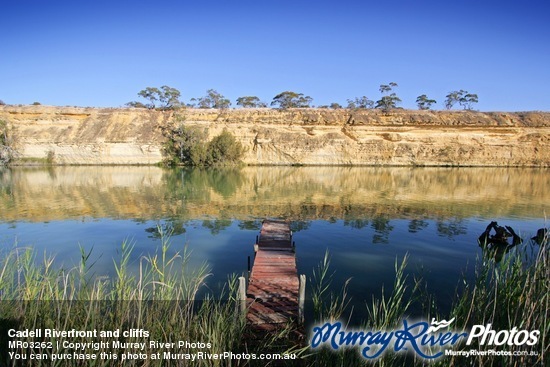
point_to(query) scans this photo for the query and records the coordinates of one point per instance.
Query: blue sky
(101, 53)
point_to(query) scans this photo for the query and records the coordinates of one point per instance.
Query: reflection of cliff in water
(352, 194)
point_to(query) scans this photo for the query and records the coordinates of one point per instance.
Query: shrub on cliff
(6, 151)
(224, 149)
(3, 132)
(187, 145)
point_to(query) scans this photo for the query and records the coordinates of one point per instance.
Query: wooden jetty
(274, 296)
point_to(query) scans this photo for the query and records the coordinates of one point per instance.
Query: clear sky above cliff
(101, 53)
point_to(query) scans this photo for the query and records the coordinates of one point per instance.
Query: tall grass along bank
(152, 317)
(70, 317)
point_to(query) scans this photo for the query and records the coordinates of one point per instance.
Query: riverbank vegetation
(6, 149)
(513, 294)
(156, 303)
(189, 145)
(160, 297)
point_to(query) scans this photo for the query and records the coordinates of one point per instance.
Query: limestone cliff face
(301, 136)
(85, 135)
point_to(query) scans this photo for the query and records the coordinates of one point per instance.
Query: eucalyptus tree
(167, 97)
(290, 99)
(250, 102)
(390, 100)
(468, 101)
(424, 103)
(213, 99)
(462, 97)
(453, 97)
(360, 102)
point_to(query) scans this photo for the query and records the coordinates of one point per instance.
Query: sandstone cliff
(74, 135)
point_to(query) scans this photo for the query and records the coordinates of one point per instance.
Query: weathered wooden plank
(277, 265)
(274, 253)
(274, 258)
(273, 272)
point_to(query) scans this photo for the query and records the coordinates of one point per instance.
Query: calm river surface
(365, 217)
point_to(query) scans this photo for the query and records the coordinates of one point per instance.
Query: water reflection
(297, 193)
(217, 225)
(416, 225)
(366, 217)
(250, 225)
(170, 228)
(451, 228)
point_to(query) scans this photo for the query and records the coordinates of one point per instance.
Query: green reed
(161, 298)
(512, 293)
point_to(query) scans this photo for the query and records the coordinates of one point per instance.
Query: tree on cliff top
(360, 102)
(462, 97)
(168, 98)
(250, 102)
(213, 99)
(468, 100)
(290, 99)
(389, 101)
(453, 97)
(424, 103)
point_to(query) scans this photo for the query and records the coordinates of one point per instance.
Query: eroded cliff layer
(71, 135)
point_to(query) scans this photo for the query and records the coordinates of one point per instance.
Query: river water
(365, 217)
